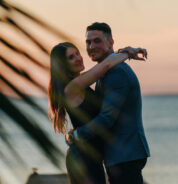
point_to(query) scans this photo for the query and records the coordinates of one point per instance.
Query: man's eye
(97, 40)
(88, 42)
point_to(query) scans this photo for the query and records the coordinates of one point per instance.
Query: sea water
(160, 118)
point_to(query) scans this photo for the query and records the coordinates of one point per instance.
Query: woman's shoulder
(75, 99)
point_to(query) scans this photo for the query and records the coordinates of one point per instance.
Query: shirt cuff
(76, 137)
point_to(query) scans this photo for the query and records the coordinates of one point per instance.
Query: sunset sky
(138, 23)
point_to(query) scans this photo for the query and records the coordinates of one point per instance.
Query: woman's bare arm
(75, 87)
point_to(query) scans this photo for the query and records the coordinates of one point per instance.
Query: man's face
(98, 45)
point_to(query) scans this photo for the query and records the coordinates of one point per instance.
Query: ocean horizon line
(143, 95)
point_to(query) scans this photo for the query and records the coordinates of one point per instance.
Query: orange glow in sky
(149, 24)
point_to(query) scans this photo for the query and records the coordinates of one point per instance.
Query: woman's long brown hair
(60, 75)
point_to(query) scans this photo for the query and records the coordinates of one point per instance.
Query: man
(119, 123)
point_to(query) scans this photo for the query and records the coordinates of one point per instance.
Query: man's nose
(92, 46)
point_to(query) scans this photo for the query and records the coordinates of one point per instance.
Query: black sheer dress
(84, 159)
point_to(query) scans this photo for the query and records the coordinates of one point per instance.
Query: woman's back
(83, 114)
(87, 110)
(87, 155)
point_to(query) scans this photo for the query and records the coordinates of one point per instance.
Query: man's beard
(99, 58)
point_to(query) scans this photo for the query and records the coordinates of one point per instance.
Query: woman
(69, 92)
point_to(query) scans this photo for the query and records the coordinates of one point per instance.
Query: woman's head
(66, 63)
(66, 57)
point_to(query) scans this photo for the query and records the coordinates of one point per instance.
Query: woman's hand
(133, 53)
(69, 137)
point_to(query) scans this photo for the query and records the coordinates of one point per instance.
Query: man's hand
(133, 53)
(69, 138)
(141, 51)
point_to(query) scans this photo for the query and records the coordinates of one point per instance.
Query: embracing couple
(107, 132)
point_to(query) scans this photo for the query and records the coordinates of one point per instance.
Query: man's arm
(116, 88)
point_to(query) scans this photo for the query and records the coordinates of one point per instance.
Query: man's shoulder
(122, 67)
(117, 76)
(121, 72)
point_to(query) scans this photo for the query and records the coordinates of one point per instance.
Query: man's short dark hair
(105, 28)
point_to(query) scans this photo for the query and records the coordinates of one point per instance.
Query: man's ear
(111, 43)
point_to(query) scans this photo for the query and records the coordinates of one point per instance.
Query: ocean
(160, 119)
